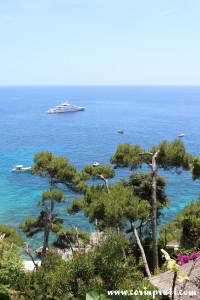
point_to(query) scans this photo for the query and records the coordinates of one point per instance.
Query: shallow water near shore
(148, 115)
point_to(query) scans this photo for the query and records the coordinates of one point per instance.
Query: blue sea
(147, 114)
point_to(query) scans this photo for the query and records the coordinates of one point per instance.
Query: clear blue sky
(99, 42)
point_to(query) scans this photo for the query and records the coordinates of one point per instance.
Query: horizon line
(102, 85)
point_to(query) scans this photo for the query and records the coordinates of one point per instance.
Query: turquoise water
(147, 114)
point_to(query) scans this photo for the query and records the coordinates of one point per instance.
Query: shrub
(11, 268)
(11, 235)
(107, 266)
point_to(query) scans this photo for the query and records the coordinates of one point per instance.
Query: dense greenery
(127, 206)
(127, 212)
(189, 222)
(11, 235)
(186, 228)
(108, 266)
(11, 265)
(58, 171)
(165, 155)
(67, 237)
(142, 188)
(196, 168)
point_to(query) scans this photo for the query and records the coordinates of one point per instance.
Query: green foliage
(50, 281)
(111, 261)
(127, 156)
(173, 155)
(32, 226)
(56, 225)
(105, 171)
(109, 266)
(189, 222)
(93, 295)
(58, 170)
(67, 237)
(196, 168)
(52, 167)
(112, 209)
(78, 204)
(186, 228)
(166, 155)
(142, 187)
(11, 235)
(78, 184)
(11, 267)
(169, 232)
(106, 267)
(54, 195)
(46, 164)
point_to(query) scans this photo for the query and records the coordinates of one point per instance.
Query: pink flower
(182, 259)
(194, 255)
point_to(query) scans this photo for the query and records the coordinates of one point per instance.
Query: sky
(99, 42)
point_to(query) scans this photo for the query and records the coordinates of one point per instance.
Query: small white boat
(19, 168)
(96, 164)
(120, 131)
(181, 135)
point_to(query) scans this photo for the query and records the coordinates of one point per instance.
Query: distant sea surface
(148, 115)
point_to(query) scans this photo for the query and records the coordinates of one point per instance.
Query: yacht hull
(65, 108)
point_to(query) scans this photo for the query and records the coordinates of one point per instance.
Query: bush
(11, 268)
(107, 266)
(11, 235)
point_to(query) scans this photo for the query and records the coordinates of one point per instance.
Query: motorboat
(96, 164)
(181, 135)
(64, 108)
(19, 168)
(120, 131)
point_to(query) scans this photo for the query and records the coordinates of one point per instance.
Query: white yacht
(181, 135)
(96, 164)
(65, 107)
(19, 168)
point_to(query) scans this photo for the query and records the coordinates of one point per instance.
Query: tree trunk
(47, 228)
(48, 222)
(45, 242)
(105, 181)
(154, 210)
(65, 235)
(141, 250)
(28, 252)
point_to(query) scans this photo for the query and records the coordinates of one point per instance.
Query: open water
(147, 114)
